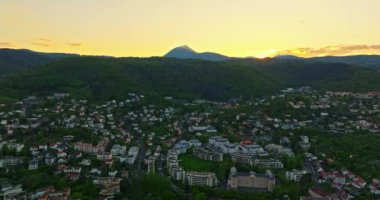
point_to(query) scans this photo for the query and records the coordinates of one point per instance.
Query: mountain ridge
(14, 60)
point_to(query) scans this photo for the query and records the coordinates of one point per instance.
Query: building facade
(201, 178)
(250, 181)
(207, 154)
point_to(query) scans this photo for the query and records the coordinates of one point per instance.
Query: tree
(77, 195)
(201, 196)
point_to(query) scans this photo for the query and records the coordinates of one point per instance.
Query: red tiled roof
(246, 142)
(319, 192)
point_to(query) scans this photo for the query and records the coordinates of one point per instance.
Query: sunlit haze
(238, 28)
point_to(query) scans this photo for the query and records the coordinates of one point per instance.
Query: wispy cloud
(332, 50)
(74, 44)
(44, 40)
(6, 44)
(42, 44)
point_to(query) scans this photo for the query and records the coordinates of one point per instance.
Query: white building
(201, 178)
(295, 175)
(132, 155)
(118, 150)
(33, 164)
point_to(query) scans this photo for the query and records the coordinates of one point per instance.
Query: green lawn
(191, 163)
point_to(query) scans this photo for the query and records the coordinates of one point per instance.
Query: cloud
(44, 40)
(74, 44)
(6, 44)
(42, 44)
(332, 50)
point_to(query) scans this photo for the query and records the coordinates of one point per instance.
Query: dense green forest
(106, 78)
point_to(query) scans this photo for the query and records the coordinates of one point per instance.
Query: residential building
(8, 191)
(240, 157)
(304, 142)
(194, 143)
(132, 155)
(118, 150)
(201, 178)
(33, 164)
(177, 173)
(150, 162)
(110, 186)
(295, 175)
(90, 148)
(218, 141)
(267, 163)
(10, 161)
(205, 153)
(104, 156)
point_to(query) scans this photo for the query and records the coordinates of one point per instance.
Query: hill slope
(96, 77)
(323, 75)
(14, 60)
(368, 61)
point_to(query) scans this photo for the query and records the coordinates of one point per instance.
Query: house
(194, 143)
(318, 192)
(132, 155)
(110, 186)
(150, 162)
(9, 191)
(76, 170)
(89, 148)
(374, 188)
(359, 183)
(50, 160)
(198, 128)
(112, 173)
(33, 164)
(85, 162)
(42, 192)
(339, 178)
(295, 175)
(125, 174)
(95, 171)
(10, 161)
(72, 176)
(118, 150)
(304, 142)
(104, 156)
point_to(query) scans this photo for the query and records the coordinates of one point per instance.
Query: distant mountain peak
(185, 52)
(185, 47)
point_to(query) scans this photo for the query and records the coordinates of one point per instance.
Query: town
(297, 144)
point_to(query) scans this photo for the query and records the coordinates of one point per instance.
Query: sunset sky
(232, 27)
